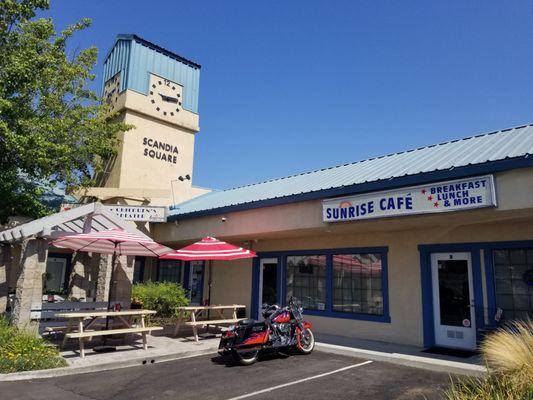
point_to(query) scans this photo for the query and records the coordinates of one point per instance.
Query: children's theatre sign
(438, 197)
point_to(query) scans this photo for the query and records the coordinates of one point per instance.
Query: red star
(430, 198)
(436, 204)
(423, 191)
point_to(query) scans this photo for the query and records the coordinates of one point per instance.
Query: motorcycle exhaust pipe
(247, 349)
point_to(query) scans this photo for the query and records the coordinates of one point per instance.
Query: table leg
(194, 328)
(145, 342)
(80, 329)
(177, 327)
(69, 329)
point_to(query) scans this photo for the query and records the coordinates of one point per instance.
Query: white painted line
(244, 396)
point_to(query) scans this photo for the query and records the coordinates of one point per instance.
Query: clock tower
(156, 91)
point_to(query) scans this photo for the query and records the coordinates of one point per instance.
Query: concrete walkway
(411, 356)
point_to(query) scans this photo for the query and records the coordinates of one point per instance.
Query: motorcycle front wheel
(307, 342)
(246, 358)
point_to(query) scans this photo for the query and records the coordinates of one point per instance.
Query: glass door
(453, 300)
(268, 279)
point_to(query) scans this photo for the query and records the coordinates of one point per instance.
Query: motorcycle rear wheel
(308, 343)
(246, 358)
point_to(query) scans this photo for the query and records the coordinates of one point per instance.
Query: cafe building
(426, 247)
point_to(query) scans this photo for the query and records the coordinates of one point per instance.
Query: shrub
(162, 297)
(509, 357)
(22, 351)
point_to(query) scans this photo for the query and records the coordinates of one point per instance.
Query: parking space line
(244, 396)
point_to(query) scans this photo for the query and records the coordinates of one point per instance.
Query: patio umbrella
(209, 249)
(113, 241)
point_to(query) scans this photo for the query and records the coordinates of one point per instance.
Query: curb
(432, 364)
(135, 362)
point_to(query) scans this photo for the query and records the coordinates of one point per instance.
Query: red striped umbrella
(209, 248)
(112, 241)
(117, 242)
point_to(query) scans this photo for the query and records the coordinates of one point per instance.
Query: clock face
(165, 97)
(111, 90)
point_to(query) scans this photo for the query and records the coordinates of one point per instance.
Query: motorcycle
(283, 329)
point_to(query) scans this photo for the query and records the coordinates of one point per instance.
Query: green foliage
(494, 386)
(163, 297)
(53, 128)
(22, 351)
(509, 356)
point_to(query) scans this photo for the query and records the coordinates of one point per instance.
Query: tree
(54, 130)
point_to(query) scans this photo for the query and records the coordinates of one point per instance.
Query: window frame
(490, 271)
(328, 312)
(181, 274)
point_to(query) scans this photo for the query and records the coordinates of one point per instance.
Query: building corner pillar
(102, 267)
(5, 269)
(123, 280)
(29, 288)
(80, 285)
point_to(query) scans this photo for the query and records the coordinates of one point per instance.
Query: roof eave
(409, 180)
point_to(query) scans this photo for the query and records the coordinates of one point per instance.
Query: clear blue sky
(292, 86)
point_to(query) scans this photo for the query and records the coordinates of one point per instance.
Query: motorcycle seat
(247, 321)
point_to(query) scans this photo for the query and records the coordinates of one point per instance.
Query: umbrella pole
(104, 346)
(209, 287)
(111, 278)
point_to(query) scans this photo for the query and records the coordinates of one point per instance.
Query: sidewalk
(411, 356)
(160, 348)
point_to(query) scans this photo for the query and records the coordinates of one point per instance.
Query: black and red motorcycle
(283, 329)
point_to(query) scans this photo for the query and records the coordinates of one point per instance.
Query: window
(196, 281)
(138, 270)
(170, 271)
(357, 283)
(513, 270)
(306, 280)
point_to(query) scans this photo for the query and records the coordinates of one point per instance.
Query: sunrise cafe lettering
(433, 198)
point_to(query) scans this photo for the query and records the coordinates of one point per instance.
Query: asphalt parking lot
(317, 376)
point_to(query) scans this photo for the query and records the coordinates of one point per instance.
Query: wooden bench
(197, 311)
(83, 333)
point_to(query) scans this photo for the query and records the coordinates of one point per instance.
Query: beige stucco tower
(156, 91)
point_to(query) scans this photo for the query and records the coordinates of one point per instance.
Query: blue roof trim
(461, 172)
(491, 152)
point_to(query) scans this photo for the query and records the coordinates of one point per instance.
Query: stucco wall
(232, 281)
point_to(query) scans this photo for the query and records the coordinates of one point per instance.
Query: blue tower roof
(135, 58)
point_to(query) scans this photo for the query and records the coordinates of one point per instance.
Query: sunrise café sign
(461, 194)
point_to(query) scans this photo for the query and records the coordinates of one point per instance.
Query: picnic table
(195, 313)
(80, 323)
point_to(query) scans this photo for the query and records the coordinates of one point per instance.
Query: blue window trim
(282, 287)
(475, 249)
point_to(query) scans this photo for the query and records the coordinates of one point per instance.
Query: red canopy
(209, 248)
